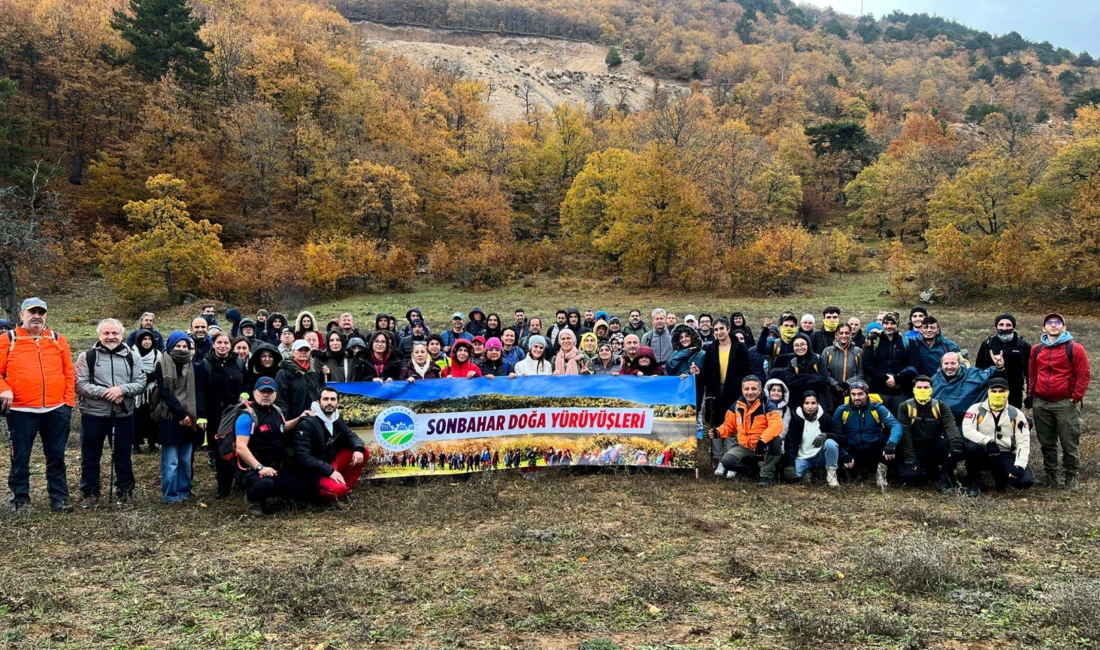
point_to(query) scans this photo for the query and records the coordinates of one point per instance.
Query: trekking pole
(111, 446)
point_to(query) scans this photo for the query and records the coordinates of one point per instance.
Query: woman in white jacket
(536, 363)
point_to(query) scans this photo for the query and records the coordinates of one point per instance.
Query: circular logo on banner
(395, 428)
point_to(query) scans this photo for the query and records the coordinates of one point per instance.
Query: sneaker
(765, 482)
(20, 509)
(90, 502)
(830, 477)
(731, 474)
(61, 506)
(880, 476)
(720, 472)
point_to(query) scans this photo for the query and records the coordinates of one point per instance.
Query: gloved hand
(1029, 402)
(910, 465)
(842, 387)
(890, 449)
(1017, 472)
(761, 447)
(819, 440)
(992, 448)
(956, 451)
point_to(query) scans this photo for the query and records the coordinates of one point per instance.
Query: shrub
(916, 563)
(776, 261)
(1077, 605)
(902, 270)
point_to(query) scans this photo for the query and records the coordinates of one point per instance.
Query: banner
(398, 428)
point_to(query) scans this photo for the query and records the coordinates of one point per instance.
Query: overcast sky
(1072, 24)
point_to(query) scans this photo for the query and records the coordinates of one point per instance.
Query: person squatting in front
(757, 424)
(261, 450)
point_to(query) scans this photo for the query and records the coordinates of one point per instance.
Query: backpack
(874, 414)
(1035, 352)
(11, 337)
(912, 410)
(92, 355)
(226, 437)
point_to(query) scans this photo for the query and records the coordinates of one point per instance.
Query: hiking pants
(330, 489)
(738, 457)
(931, 460)
(1058, 423)
(284, 485)
(53, 427)
(94, 430)
(999, 467)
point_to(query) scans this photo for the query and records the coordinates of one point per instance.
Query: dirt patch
(521, 70)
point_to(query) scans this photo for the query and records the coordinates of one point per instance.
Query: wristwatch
(259, 467)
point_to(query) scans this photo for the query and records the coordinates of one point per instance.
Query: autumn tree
(165, 37)
(170, 255)
(381, 198)
(29, 220)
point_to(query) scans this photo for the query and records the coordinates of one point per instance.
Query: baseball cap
(265, 383)
(457, 316)
(998, 382)
(299, 344)
(33, 302)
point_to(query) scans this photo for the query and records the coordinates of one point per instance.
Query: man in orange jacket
(758, 425)
(37, 392)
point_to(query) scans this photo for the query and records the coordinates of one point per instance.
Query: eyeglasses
(1054, 321)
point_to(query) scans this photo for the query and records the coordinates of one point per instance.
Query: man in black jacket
(328, 456)
(261, 449)
(890, 362)
(931, 444)
(718, 385)
(1016, 352)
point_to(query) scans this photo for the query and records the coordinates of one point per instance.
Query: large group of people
(896, 400)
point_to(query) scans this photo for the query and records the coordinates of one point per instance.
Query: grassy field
(549, 560)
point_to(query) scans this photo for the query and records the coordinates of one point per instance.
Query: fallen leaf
(653, 609)
(582, 559)
(839, 575)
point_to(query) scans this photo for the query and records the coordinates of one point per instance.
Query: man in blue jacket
(932, 346)
(869, 433)
(960, 388)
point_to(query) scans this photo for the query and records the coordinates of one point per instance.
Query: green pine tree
(165, 37)
(613, 58)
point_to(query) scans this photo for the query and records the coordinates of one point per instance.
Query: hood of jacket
(276, 316)
(144, 334)
(463, 343)
(254, 360)
(696, 338)
(767, 392)
(645, 352)
(414, 310)
(298, 321)
(1064, 338)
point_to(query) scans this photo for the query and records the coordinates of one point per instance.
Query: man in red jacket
(1058, 377)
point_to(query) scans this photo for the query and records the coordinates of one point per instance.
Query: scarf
(181, 385)
(328, 421)
(420, 370)
(787, 333)
(566, 363)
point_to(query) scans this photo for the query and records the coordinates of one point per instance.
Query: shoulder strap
(874, 414)
(844, 416)
(90, 358)
(11, 337)
(936, 409)
(1069, 352)
(982, 411)
(911, 410)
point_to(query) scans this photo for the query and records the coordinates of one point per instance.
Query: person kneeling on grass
(930, 442)
(998, 440)
(812, 442)
(328, 456)
(869, 434)
(757, 425)
(261, 450)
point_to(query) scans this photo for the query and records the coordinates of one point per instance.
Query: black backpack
(226, 437)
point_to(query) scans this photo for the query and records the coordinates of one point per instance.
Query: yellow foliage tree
(172, 253)
(382, 198)
(776, 261)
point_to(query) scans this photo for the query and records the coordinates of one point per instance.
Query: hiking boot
(720, 472)
(880, 476)
(765, 482)
(90, 502)
(255, 508)
(1073, 483)
(62, 505)
(20, 509)
(222, 493)
(830, 477)
(1051, 481)
(731, 474)
(126, 498)
(946, 485)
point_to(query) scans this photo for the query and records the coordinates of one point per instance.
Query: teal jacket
(861, 429)
(931, 357)
(965, 389)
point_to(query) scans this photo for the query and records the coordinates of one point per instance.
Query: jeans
(53, 427)
(330, 489)
(93, 432)
(999, 467)
(1059, 423)
(175, 472)
(829, 456)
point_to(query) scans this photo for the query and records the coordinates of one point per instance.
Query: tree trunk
(76, 171)
(170, 287)
(8, 290)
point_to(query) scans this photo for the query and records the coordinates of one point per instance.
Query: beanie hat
(1008, 317)
(535, 339)
(494, 343)
(233, 315)
(176, 336)
(917, 310)
(263, 312)
(355, 340)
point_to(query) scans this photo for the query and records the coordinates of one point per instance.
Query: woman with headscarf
(264, 362)
(275, 326)
(806, 372)
(145, 428)
(536, 363)
(463, 365)
(420, 365)
(589, 343)
(335, 362)
(221, 375)
(569, 360)
(177, 415)
(738, 323)
(644, 364)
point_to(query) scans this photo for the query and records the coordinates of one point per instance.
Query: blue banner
(650, 391)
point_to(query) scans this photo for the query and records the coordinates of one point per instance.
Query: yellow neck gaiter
(998, 401)
(922, 395)
(830, 326)
(787, 332)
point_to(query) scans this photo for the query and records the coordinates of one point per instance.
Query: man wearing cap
(261, 449)
(1016, 353)
(262, 333)
(37, 392)
(998, 440)
(890, 362)
(869, 434)
(1058, 377)
(299, 380)
(456, 333)
(960, 387)
(148, 321)
(286, 343)
(200, 328)
(108, 379)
